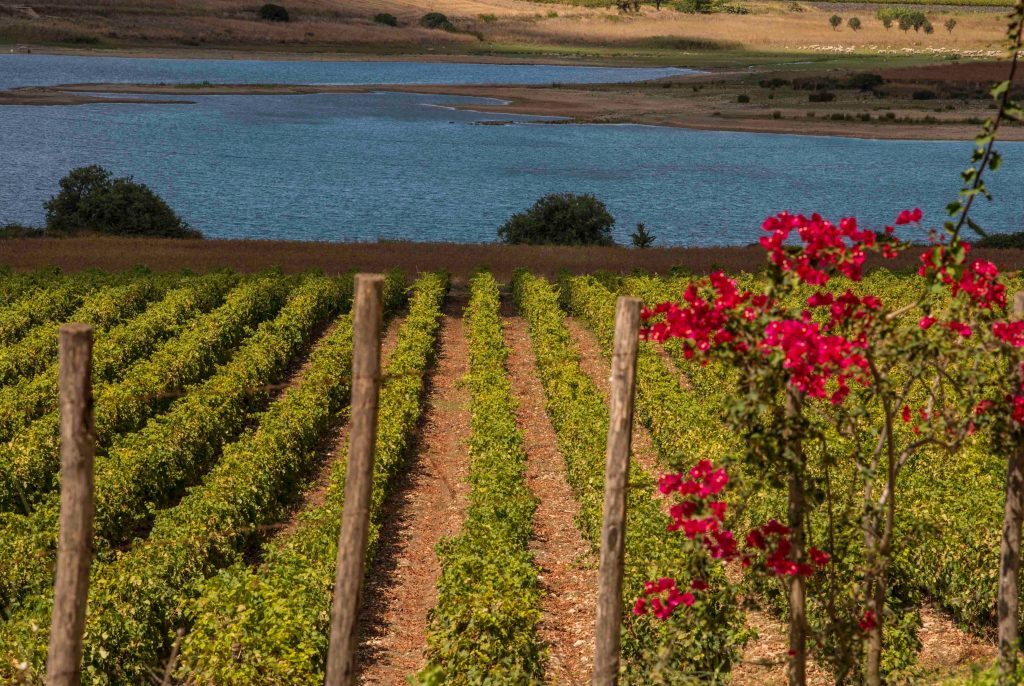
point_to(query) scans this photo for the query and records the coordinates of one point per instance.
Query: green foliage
(90, 199)
(742, 98)
(1001, 240)
(12, 230)
(272, 12)
(924, 95)
(854, 23)
(270, 624)
(116, 349)
(386, 19)
(53, 301)
(436, 20)
(561, 219)
(28, 464)
(835, 20)
(692, 645)
(137, 599)
(107, 307)
(821, 96)
(642, 238)
(950, 24)
(483, 629)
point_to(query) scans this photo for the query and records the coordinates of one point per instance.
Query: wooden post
(355, 523)
(613, 523)
(1009, 554)
(74, 547)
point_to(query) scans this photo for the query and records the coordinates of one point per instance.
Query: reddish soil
(428, 507)
(568, 567)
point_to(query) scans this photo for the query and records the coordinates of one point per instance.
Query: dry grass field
(491, 26)
(460, 260)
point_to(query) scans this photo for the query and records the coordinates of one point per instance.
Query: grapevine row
(150, 468)
(116, 349)
(137, 599)
(695, 644)
(50, 303)
(484, 626)
(28, 463)
(269, 624)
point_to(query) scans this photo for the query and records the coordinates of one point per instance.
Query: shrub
(776, 114)
(14, 230)
(1006, 240)
(865, 81)
(386, 19)
(887, 22)
(561, 219)
(950, 24)
(928, 28)
(272, 12)
(743, 97)
(924, 95)
(91, 200)
(835, 20)
(642, 238)
(854, 23)
(821, 96)
(436, 20)
(796, 7)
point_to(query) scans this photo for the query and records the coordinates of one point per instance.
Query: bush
(561, 219)
(386, 19)
(854, 23)
(642, 238)
(91, 200)
(835, 20)
(924, 95)
(272, 12)
(1006, 240)
(865, 81)
(950, 24)
(743, 97)
(821, 96)
(436, 20)
(928, 28)
(19, 231)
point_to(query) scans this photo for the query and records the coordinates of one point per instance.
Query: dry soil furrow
(428, 506)
(568, 567)
(947, 648)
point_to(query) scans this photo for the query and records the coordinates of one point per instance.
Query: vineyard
(221, 407)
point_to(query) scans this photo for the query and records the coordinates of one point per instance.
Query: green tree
(642, 238)
(854, 23)
(272, 12)
(835, 20)
(90, 199)
(561, 219)
(905, 23)
(950, 24)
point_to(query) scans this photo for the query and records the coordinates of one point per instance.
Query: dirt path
(568, 568)
(948, 648)
(428, 506)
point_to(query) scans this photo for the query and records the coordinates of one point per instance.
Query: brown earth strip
(568, 567)
(428, 506)
(947, 648)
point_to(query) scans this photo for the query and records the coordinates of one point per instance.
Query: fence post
(613, 523)
(1009, 554)
(355, 523)
(74, 547)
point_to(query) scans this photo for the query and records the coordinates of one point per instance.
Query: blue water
(406, 166)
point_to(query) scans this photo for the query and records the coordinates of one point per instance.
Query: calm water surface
(406, 166)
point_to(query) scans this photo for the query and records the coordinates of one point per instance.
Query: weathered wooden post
(74, 547)
(355, 523)
(1009, 558)
(613, 524)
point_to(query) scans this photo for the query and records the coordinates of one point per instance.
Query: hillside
(506, 27)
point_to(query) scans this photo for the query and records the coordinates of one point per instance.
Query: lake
(406, 166)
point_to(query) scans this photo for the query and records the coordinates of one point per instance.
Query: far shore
(649, 103)
(461, 260)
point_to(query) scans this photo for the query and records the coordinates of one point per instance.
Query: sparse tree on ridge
(835, 20)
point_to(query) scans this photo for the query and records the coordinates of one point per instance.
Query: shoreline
(626, 104)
